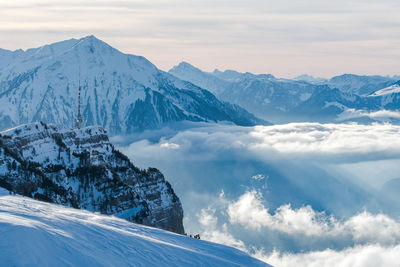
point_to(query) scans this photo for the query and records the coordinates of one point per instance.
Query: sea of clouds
(296, 194)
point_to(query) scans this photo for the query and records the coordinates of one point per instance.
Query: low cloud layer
(380, 115)
(284, 187)
(365, 228)
(366, 239)
(231, 158)
(322, 142)
(359, 256)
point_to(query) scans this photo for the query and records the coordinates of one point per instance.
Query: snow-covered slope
(120, 92)
(187, 72)
(325, 104)
(264, 95)
(393, 89)
(304, 98)
(80, 168)
(330, 105)
(6, 57)
(358, 84)
(35, 233)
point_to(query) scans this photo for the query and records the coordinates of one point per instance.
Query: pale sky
(285, 38)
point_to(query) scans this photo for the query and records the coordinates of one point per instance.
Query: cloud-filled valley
(284, 192)
(358, 256)
(323, 142)
(324, 240)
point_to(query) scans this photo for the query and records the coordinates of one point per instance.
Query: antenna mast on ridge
(79, 119)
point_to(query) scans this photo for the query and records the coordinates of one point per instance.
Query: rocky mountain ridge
(80, 168)
(264, 95)
(346, 97)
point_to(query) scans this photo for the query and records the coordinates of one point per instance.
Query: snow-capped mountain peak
(120, 92)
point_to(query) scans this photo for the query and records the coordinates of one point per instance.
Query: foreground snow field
(35, 233)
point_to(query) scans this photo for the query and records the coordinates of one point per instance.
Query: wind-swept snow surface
(35, 233)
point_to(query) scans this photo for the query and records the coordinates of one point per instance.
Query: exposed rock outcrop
(82, 169)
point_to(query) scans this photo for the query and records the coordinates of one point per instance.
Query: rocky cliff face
(80, 168)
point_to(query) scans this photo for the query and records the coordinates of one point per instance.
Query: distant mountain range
(347, 97)
(120, 92)
(126, 93)
(263, 95)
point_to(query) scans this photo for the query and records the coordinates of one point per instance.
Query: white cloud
(313, 142)
(365, 239)
(324, 140)
(209, 221)
(368, 228)
(369, 240)
(381, 115)
(249, 211)
(258, 177)
(358, 256)
(222, 158)
(224, 209)
(224, 238)
(207, 218)
(362, 228)
(170, 145)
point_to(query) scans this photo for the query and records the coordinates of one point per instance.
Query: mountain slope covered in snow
(35, 233)
(332, 105)
(346, 97)
(393, 89)
(264, 95)
(360, 84)
(120, 92)
(80, 168)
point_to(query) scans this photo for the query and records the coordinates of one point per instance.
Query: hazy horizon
(211, 69)
(286, 39)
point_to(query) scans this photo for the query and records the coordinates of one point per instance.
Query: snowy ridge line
(55, 235)
(388, 90)
(300, 99)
